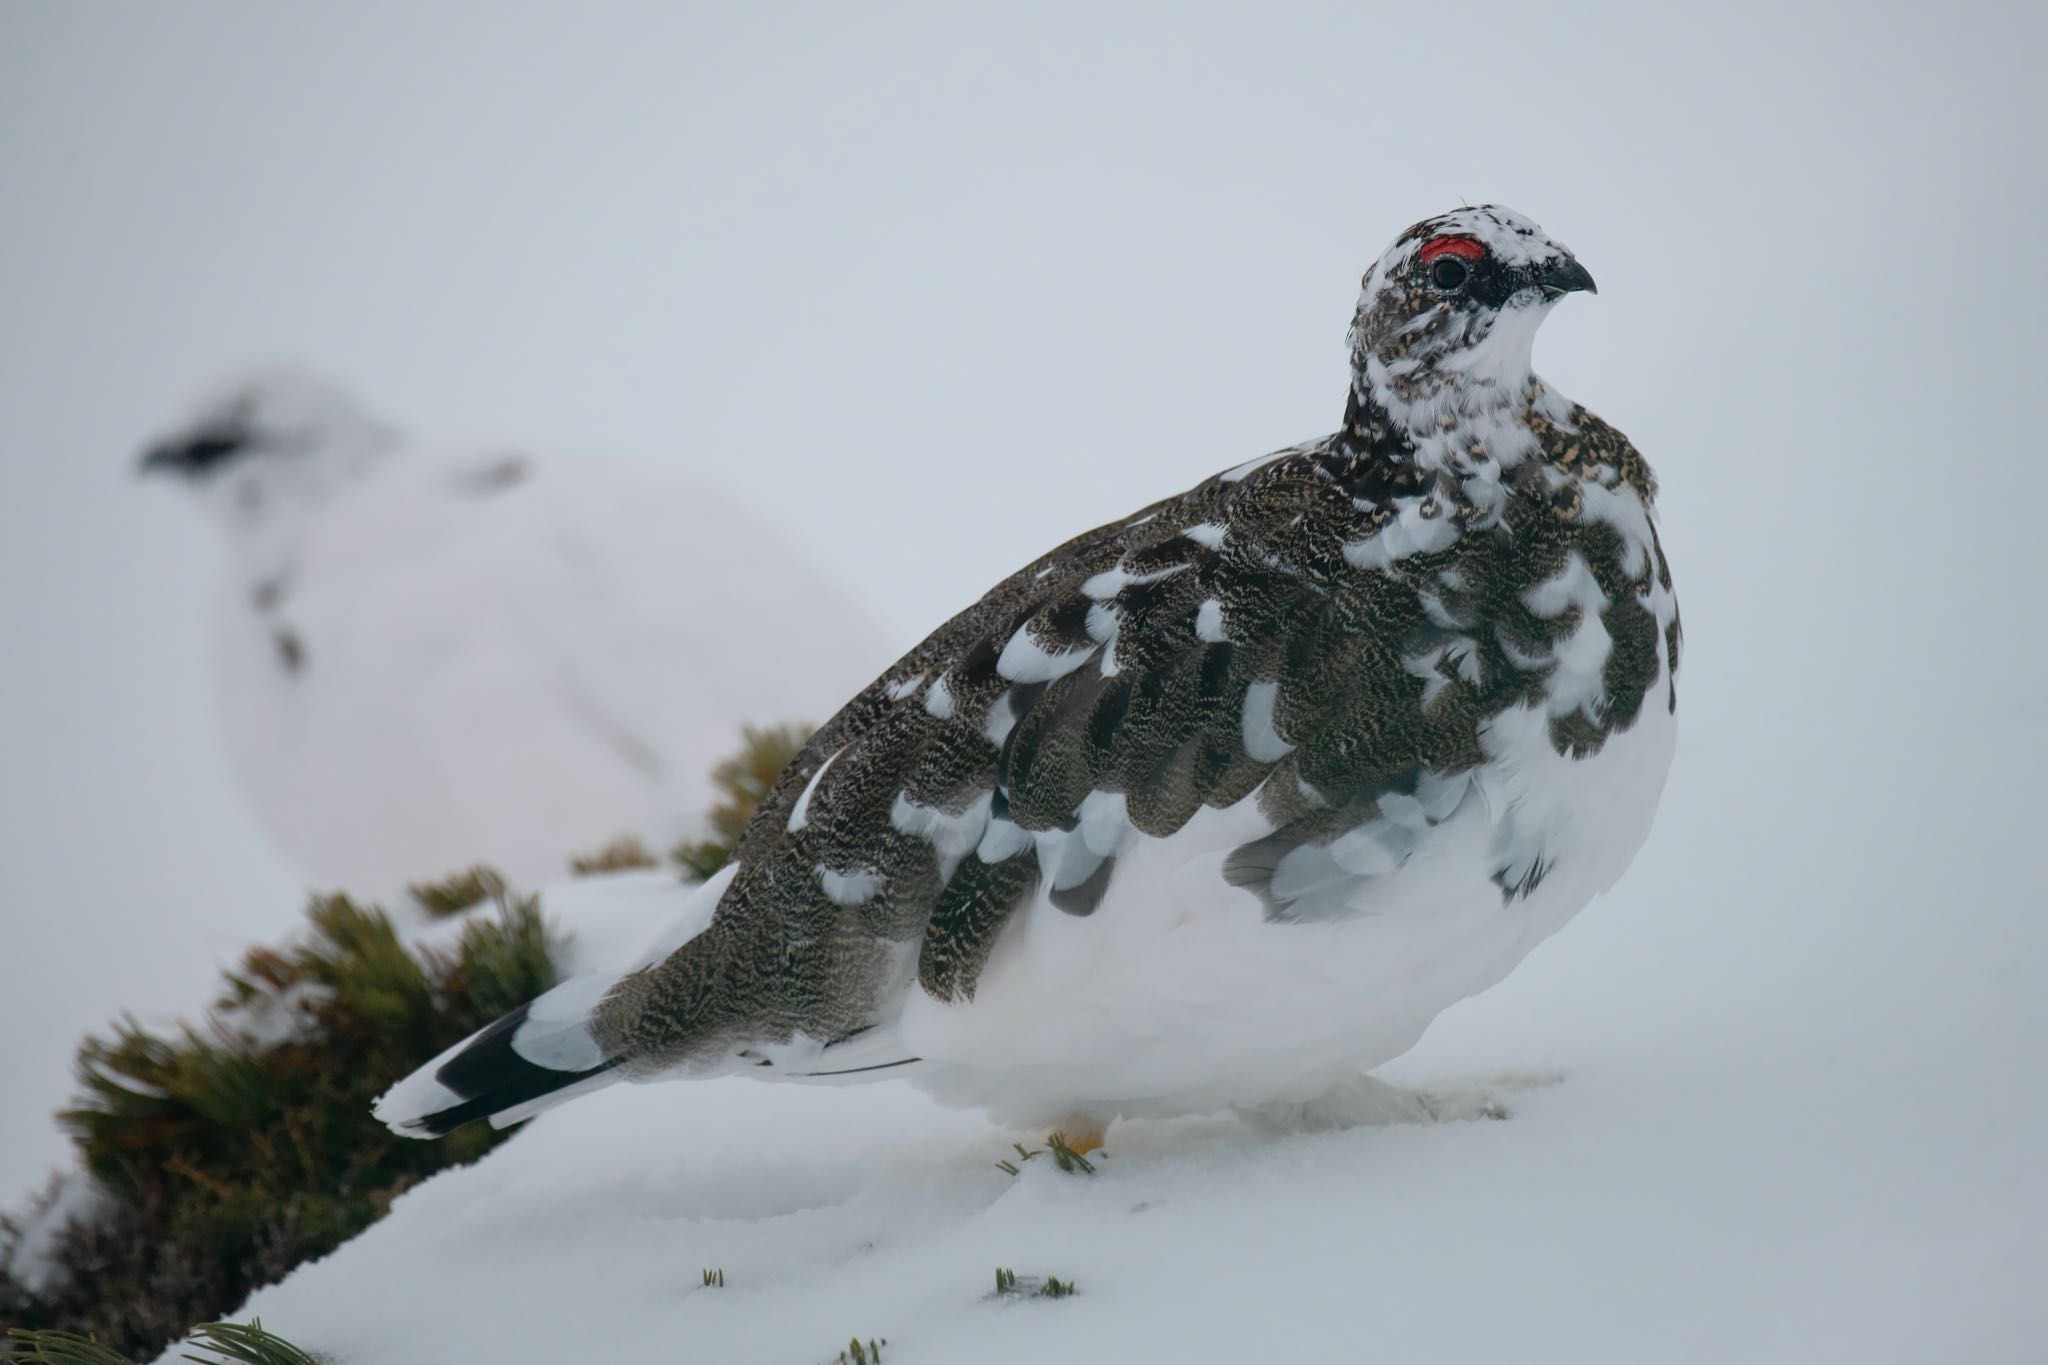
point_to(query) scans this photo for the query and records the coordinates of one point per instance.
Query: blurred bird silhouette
(431, 657)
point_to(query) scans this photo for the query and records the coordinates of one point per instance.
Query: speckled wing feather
(1325, 627)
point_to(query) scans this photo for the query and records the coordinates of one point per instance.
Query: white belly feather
(1181, 994)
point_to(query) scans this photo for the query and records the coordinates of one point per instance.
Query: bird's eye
(1448, 273)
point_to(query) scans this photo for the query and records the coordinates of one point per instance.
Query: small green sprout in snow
(1063, 1156)
(1011, 1285)
(714, 1279)
(1066, 1158)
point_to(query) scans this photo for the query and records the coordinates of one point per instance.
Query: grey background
(944, 286)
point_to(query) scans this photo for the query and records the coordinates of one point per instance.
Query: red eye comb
(1466, 247)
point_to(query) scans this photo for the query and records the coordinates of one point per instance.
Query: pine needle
(62, 1348)
(247, 1343)
(453, 895)
(620, 855)
(1062, 1153)
(1066, 1158)
(1011, 1285)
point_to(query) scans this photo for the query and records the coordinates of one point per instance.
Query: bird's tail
(548, 1049)
(534, 1058)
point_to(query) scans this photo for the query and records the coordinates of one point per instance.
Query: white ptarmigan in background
(1217, 806)
(430, 657)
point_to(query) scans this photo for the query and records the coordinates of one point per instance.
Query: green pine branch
(246, 1343)
(228, 1162)
(233, 1150)
(743, 782)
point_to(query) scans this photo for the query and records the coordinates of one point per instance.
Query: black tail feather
(489, 1077)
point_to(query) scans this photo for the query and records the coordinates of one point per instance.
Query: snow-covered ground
(942, 290)
(1748, 1124)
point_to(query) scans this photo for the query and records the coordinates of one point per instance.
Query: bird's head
(269, 441)
(1448, 316)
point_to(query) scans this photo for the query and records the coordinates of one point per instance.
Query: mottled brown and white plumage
(1217, 805)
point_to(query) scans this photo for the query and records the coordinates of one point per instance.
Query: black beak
(190, 454)
(1566, 276)
(160, 459)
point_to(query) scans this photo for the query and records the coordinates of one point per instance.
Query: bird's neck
(1440, 419)
(265, 506)
(1445, 394)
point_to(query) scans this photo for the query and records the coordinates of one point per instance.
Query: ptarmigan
(1217, 806)
(430, 657)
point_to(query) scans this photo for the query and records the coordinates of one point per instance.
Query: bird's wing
(1268, 630)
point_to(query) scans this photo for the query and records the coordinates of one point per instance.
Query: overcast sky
(943, 288)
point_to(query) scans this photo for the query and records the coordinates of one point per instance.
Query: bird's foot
(1079, 1134)
(1069, 1145)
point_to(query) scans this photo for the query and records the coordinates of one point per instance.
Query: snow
(1736, 1163)
(29, 1256)
(1067, 265)
(1793, 1126)
(270, 1018)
